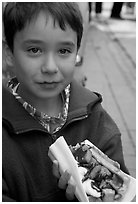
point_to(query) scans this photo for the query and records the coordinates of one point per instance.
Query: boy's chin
(48, 92)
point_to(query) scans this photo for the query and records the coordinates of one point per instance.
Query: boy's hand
(63, 182)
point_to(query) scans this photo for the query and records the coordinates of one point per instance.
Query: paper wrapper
(61, 152)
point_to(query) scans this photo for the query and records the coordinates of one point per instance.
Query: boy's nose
(49, 66)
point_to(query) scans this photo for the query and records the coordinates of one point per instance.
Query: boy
(44, 102)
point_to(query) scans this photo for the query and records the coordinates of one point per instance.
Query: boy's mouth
(49, 84)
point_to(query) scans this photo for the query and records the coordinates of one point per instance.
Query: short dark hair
(17, 14)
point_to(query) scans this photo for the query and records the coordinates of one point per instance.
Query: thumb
(55, 169)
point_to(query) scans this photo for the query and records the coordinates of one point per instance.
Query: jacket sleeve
(106, 136)
(113, 149)
(5, 193)
(111, 139)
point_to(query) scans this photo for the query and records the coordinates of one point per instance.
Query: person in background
(116, 10)
(97, 9)
(130, 10)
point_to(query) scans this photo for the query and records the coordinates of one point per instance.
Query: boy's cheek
(71, 62)
(26, 64)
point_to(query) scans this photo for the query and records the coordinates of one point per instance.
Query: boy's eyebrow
(66, 43)
(32, 41)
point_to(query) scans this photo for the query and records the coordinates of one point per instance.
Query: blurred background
(106, 63)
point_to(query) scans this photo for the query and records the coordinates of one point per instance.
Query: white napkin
(61, 152)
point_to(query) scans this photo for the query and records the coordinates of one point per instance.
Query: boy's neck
(50, 106)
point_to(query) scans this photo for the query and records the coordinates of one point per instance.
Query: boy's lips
(49, 84)
(48, 81)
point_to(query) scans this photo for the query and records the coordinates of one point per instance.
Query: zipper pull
(54, 137)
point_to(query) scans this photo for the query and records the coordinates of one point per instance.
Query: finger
(63, 181)
(56, 169)
(70, 191)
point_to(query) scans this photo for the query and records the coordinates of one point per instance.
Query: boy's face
(44, 58)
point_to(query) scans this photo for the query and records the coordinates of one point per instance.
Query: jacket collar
(18, 120)
(82, 100)
(15, 116)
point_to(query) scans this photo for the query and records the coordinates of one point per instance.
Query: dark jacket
(27, 169)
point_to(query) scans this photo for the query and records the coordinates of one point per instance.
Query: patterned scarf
(45, 120)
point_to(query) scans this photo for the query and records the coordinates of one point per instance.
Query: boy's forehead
(43, 28)
(44, 18)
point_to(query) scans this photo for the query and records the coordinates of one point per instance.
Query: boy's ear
(8, 55)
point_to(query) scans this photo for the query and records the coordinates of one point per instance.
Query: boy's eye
(64, 51)
(34, 50)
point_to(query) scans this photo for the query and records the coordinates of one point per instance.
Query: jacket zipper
(24, 131)
(54, 135)
(76, 119)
